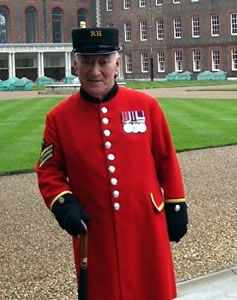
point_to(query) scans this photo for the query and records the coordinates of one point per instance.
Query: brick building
(35, 36)
(174, 35)
(157, 36)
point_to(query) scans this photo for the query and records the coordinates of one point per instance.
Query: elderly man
(108, 169)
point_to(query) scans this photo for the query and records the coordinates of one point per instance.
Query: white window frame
(176, 1)
(160, 29)
(178, 58)
(159, 2)
(234, 59)
(128, 63)
(142, 3)
(160, 61)
(144, 62)
(194, 0)
(143, 31)
(196, 60)
(215, 60)
(177, 28)
(195, 27)
(109, 5)
(215, 25)
(233, 20)
(127, 32)
(126, 4)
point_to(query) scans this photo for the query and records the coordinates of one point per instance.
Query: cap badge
(133, 121)
(95, 33)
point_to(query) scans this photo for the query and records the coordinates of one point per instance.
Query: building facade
(35, 36)
(157, 37)
(164, 36)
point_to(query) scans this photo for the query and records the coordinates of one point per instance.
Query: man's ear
(117, 66)
(75, 67)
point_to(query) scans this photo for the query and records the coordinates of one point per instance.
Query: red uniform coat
(122, 180)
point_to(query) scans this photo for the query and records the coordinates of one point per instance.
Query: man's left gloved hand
(177, 220)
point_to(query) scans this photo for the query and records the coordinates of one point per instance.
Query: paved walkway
(194, 92)
(218, 286)
(178, 92)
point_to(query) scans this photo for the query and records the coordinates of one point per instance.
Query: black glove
(176, 232)
(177, 220)
(70, 215)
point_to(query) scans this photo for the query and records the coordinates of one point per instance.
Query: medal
(128, 128)
(142, 127)
(135, 127)
(133, 121)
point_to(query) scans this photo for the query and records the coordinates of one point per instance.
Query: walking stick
(83, 276)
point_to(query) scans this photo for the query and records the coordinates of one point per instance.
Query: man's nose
(95, 68)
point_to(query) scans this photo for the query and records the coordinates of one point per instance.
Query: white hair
(115, 55)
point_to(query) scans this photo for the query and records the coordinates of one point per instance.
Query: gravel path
(193, 92)
(36, 255)
(178, 92)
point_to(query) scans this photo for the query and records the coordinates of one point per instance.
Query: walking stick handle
(84, 247)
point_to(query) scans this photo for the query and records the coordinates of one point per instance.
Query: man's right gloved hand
(70, 215)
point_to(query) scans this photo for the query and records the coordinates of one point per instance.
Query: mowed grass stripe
(194, 124)
(21, 133)
(17, 122)
(201, 123)
(22, 153)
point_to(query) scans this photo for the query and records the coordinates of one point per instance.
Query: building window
(109, 5)
(176, 1)
(3, 64)
(234, 24)
(195, 27)
(161, 61)
(128, 63)
(159, 2)
(160, 29)
(234, 59)
(177, 28)
(215, 60)
(143, 30)
(194, 0)
(4, 25)
(81, 16)
(57, 25)
(31, 27)
(127, 32)
(126, 4)
(215, 25)
(144, 62)
(142, 3)
(178, 61)
(196, 60)
(24, 63)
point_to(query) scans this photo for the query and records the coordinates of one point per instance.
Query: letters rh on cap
(96, 33)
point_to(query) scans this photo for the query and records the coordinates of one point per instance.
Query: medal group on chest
(133, 121)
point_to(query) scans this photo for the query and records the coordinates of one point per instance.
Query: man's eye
(104, 62)
(88, 62)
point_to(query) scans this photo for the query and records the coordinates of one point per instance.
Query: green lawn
(195, 123)
(139, 84)
(201, 123)
(21, 127)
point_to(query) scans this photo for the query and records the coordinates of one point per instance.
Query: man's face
(96, 73)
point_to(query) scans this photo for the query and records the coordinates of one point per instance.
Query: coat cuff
(176, 211)
(57, 197)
